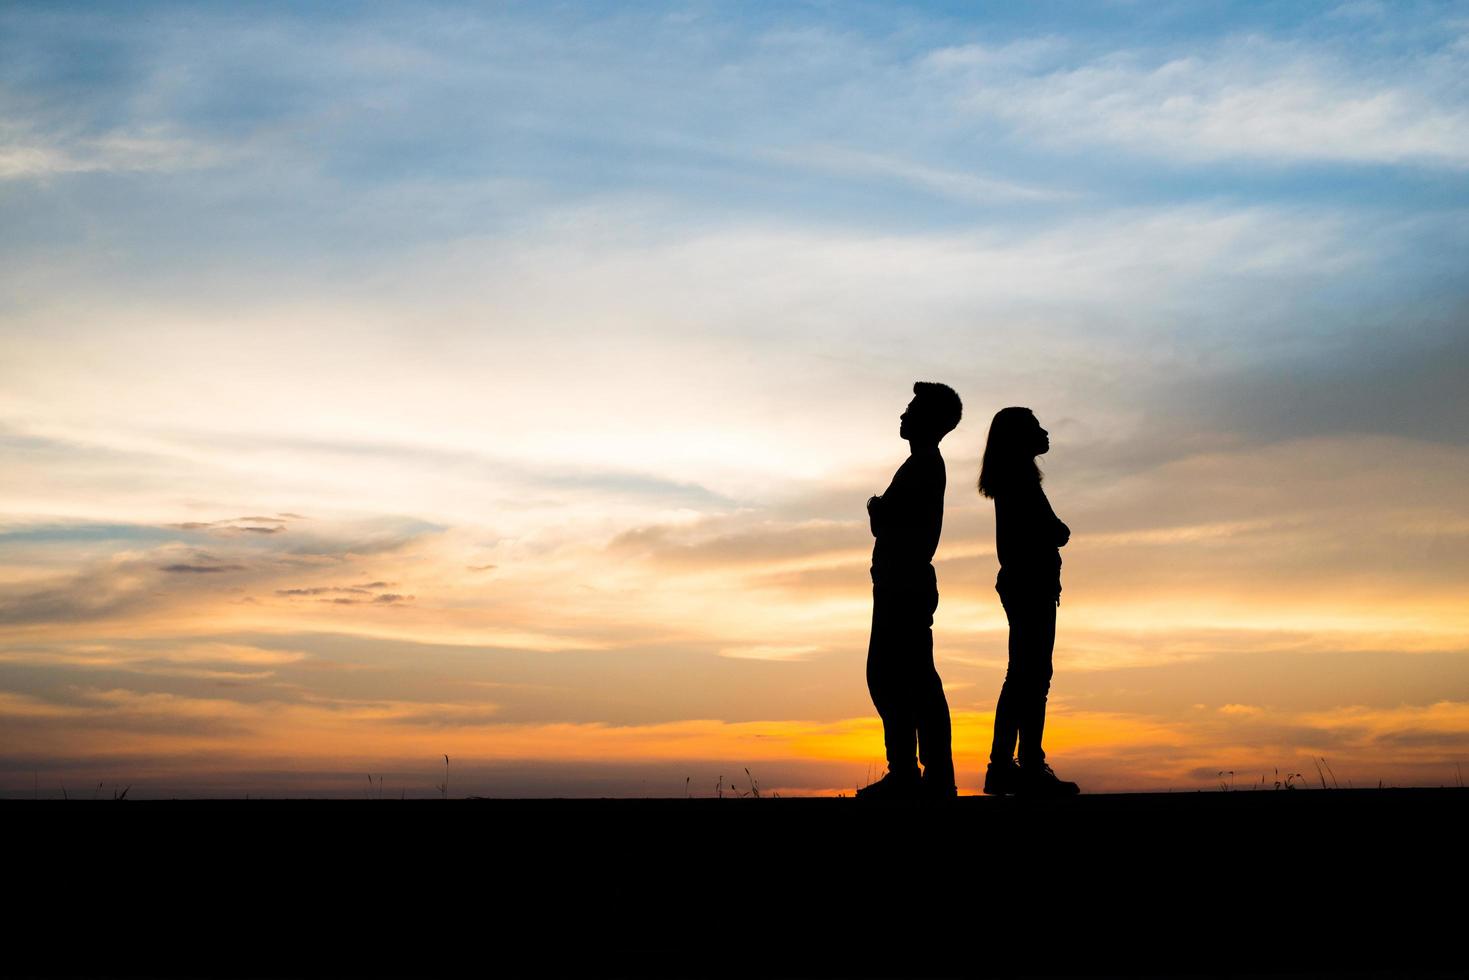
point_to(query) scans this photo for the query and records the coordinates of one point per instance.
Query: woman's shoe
(1001, 778)
(1042, 780)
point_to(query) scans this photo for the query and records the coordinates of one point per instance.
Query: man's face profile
(906, 426)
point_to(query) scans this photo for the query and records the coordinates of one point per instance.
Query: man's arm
(910, 512)
(885, 510)
(914, 504)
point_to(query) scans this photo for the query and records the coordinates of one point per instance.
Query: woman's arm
(1060, 533)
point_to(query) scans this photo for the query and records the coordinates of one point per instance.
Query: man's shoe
(1001, 778)
(893, 786)
(1041, 780)
(933, 788)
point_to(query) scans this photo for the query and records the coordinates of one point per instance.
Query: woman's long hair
(1008, 462)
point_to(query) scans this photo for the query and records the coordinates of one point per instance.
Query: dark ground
(1301, 882)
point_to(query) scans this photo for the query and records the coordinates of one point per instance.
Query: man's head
(932, 414)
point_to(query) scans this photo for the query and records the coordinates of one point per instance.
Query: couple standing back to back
(906, 520)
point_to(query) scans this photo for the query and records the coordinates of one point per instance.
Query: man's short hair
(940, 403)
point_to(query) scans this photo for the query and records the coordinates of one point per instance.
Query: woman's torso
(1027, 540)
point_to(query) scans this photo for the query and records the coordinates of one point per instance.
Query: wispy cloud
(200, 569)
(581, 337)
(26, 155)
(972, 187)
(743, 539)
(1243, 97)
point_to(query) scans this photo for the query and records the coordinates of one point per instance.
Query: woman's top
(1028, 538)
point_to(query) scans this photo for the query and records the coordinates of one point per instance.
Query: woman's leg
(1020, 713)
(1002, 749)
(1038, 644)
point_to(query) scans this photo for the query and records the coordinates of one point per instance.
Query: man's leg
(888, 683)
(931, 708)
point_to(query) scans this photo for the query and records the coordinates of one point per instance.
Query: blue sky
(851, 117)
(578, 321)
(170, 148)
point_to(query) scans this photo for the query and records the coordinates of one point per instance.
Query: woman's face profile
(1038, 440)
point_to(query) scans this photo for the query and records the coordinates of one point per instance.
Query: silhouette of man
(906, 522)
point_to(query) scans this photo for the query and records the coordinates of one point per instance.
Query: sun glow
(340, 432)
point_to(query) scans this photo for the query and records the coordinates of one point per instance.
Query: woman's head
(1015, 440)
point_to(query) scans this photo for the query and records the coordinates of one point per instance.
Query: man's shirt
(908, 517)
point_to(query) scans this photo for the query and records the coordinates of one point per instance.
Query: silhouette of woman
(1028, 538)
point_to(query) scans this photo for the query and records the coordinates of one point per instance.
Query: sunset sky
(506, 381)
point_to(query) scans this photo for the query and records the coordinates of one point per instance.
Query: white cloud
(25, 155)
(1242, 98)
(976, 188)
(733, 359)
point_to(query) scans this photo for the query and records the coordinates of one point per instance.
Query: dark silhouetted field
(1298, 882)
